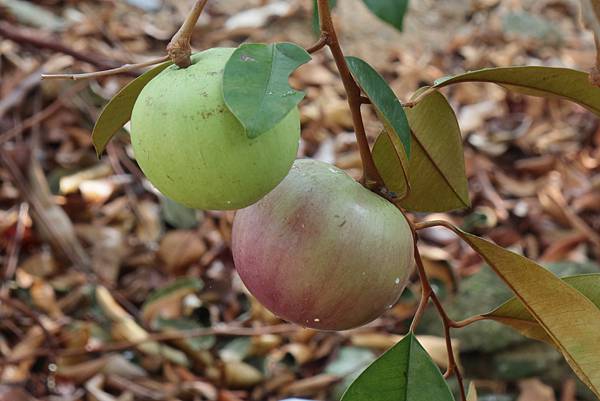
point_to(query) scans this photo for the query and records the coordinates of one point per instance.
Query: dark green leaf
(255, 84)
(383, 98)
(570, 319)
(436, 169)
(404, 373)
(514, 314)
(315, 17)
(536, 81)
(390, 11)
(118, 110)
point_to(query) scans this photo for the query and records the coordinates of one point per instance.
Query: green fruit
(322, 251)
(194, 150)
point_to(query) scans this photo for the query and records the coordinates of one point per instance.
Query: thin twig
(370, 174)
(421, 96)
(179, 48)
(447, 322)
(466, 322)
(97, 74)
(434, 223)
(319, 44)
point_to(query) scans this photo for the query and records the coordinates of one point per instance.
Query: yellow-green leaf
(118, 110)
(536, 81)
(436, 169)
(570, 319)
(514, 314)
(391, 163)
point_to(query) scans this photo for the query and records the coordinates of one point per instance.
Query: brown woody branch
(180, 48)
(371, 177)
(428, 293)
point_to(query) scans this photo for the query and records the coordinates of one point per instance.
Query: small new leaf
(255, 84)
(384, 100)
(536, 81)
(390, 11)
(436, 169)
(118, 110)
(404, 373)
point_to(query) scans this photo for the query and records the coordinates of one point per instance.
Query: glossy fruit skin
(322, 251)
(194, 150)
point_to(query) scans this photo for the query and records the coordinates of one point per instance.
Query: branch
(370, 174)
(447, 322)
(119, 70)
(179, 48)
(321, 43)
(421, 96)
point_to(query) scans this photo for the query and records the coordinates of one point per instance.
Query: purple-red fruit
(322, 251)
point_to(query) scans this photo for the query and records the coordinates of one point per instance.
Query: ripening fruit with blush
(194, 150)
(322, 251)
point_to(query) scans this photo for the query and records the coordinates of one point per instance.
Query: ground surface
(84, 243)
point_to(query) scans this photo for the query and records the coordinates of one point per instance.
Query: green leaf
(118, 110)
(436, 170)
(570, 319)
(384, 100)
(404, 373)
(514, 314)
(315, 17)
(390, 11)
(536, 81)
(255, 84)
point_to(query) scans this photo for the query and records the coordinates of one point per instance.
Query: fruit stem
(371, 177)
(180, 48)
